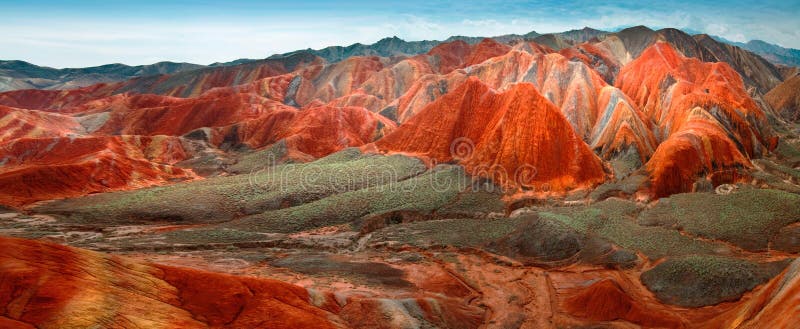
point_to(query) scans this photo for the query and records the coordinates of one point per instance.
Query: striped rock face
(502, 134)
(704, 118)
(52, 286)
(36, 169)
(682, 117)
(785, 98)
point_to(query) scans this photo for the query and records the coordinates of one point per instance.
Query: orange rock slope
(35, 169)
(706, 120)
(19, 123)
(316, 131)
(785, 98)
(45, 285)
(600, 114)
(517, 137)
(95, 142)
(684, 118)
(50, 286)
(607, 301)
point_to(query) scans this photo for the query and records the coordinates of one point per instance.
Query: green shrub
(424, 193)
(748, 218)
(702, 280)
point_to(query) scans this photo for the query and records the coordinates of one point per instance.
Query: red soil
(450, 55)
(785, 98)
(700, 146)
(484, 50)
(53, 286)
(667, 86)
(55, 100)
(195, 83)
(316, 131)
(19, 123)
(48, 285)
(606, 301)
(707, 120)
(621, 125)
(51, 168)
(241, 302)
(517, 136)
(159, 115)
(459, 54)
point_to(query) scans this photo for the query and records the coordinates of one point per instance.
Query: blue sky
(87, 33)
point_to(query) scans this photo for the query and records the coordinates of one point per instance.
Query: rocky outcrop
(785, 99)
(50, 286)
(35, 169)
(517, 137)
(692, 102)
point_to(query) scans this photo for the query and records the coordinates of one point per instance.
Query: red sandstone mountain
(36, 169)
(662, 102)
(505, 135)
(20, 123)
(785, 98)
(602, 115)
(703, 115)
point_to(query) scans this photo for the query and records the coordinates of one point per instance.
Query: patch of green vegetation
(774, 182)
(220, 199)
(702, 280)
(612, 220)
(778, 169)
(788, 150)
(258, 160)
(626, 162)
(448, 232)
(348, 154)
(293, 185)
(424, 193)
(221, 235)
(540, 239)
(474, 202)
(372, 273)
(748, 218)
(626, 186)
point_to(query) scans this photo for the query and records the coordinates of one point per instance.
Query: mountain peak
(637, 28)
(390, 39)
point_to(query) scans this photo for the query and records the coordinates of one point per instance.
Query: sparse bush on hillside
(424, 193)
(701, 280)
(748, 218)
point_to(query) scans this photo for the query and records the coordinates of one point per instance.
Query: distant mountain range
(395, 46)
(23, 75)
(771, 52)
(16, 74)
